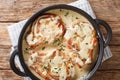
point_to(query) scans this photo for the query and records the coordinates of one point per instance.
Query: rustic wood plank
(9, 75)
(99, 75)
(107, 10)
(4, 37)
(22, 9)
(114, 61)
(115, 40)
(115, 26)
(106, 75)
(4, 59)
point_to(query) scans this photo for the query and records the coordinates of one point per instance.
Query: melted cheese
(79, 61)
(57, 60)
(61, 42)
(49, 53)
(46, 29)
(32, 59)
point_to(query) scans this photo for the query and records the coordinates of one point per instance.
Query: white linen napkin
(15, 29)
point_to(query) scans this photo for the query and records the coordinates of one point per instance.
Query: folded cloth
(15, 29)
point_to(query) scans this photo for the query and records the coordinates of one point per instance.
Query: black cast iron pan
(95, 22)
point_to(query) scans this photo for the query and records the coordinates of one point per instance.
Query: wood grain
(22, 9)
(12, 11)
(100, 75)
(106, 75)
(9, 75)
(114, 62)
(4, 38)
(4, 59)
(107, 10)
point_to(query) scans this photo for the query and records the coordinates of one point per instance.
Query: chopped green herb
(86, 43)
(50, 60)
(27, 48)
(66, 14)
(61, 49)
(46, 42)
(60, 9)
(43, 48)
(54, 71)
(76, 53)
(83, 59)
(68, 67)
(25, 51)
(59, 69)
(57, 41)
(76, 17)
(62, 45)
(45, 67)
(55, 68)
(83, 37)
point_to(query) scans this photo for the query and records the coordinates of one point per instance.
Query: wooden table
(13, 11)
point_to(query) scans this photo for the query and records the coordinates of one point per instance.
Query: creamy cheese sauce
(60, 45)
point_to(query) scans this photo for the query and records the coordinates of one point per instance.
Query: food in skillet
(46, 29)
(60, 45)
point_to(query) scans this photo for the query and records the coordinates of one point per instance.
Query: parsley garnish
(46, 42)
(43, 48)
(86, 43)
(66, 14)
(76, 17)
(60, 9)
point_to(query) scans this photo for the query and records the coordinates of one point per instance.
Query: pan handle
(108, 29)
(12, 64)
